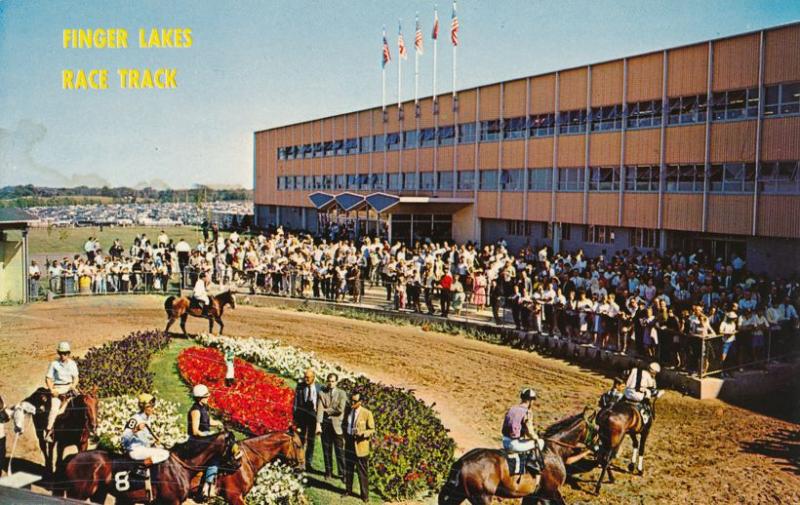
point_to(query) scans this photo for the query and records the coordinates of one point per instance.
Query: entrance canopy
(388, 203)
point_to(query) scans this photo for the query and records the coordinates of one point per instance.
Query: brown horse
(482, 474)
(72, 427)
(620, 419)
(257, 452)
(95, 474)
(181, 307)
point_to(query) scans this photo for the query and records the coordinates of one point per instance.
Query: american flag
(387, 56)
(435, 32)
(401, 44)
(454, 27)
(418, 38)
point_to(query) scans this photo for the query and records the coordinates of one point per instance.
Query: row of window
(643, 238)
(780, 100)
(775, 178)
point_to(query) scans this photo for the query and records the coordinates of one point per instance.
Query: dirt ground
(699, 452)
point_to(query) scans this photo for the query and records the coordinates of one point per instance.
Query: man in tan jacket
(359, 427)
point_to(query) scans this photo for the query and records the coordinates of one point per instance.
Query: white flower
(116, 411)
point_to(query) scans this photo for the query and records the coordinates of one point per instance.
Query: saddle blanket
(517, 462)
(130, 475)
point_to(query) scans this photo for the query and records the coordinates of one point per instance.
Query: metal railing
(131, 283)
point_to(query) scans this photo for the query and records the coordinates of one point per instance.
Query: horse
(181, 307)
(257, 452)
(481, 474)
(92, 474)
(614, 422)
(72, 427)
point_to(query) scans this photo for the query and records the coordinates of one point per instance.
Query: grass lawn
(170, 386)
(71, 240)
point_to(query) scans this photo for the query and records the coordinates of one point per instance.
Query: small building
(14, 260)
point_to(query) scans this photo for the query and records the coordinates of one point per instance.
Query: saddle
(644, 409)
(520, 463)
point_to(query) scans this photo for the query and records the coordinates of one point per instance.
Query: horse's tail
(168, 305)
(451, 492)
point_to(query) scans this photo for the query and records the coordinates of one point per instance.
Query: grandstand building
(693, 146)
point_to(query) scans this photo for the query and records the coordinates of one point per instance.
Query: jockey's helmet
(63, 347)
(146, 399)
(527, 394)
(200, 391)
(654, 368)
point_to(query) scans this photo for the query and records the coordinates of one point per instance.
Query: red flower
(257, 401)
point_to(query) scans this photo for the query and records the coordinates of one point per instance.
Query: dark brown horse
(613, 423)
(482, 474)
(72, 427)
(257, 452)
(91, 474)
(181, 307)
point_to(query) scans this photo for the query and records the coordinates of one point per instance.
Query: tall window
(281, 153)
(427, 181)
(515, 128)
(293, 152)
(341, 181)
(281, 183)
(599, 234)
(378, 182)
(328, 148)
(780, 177)
(511, 180)
(685, 178)
(688, 109)
(427, 137)
(607, 118)
(327, 182)
(365, 145)
(352, 181)
(641, 178)
(488, 180)
(446, 181)
(645, 114)
(395, 182)
(466, 133)
(490, 130)
(378, 143)
(351, 146)
(540, 179)
(466, 180)
(518, 228)
(645, 238)
(318, 182)
(782, 99)
(393, 141)
(319, 150)
(604, 179)
(410, 181)
(570, 179)
(573, 121)
(542, 125)
(410, 139)
(308, 151)
(732, 178)
(363, 181)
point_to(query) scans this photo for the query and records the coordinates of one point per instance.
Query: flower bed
(257, 402)
(270, 354)
(114, 413)
(411, 451)
(120, 368)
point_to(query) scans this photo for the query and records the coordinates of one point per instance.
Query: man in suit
(359, 427)
(330, 414)
(304, 412)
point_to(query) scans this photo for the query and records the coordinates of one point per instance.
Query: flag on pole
(401, 45)
(418, 38)
(387, 56)
(454, 27)
(435, 32)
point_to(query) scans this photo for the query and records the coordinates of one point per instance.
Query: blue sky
(255, 65)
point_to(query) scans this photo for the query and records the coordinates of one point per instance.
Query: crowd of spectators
(661, 306)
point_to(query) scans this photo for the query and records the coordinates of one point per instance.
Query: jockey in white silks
(200, 291)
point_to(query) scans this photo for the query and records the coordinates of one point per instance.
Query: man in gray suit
(330, 413)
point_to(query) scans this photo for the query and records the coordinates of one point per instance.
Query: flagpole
(455, 46)
(383, 73)
(399, 67)
(416, 65)
(435, 43)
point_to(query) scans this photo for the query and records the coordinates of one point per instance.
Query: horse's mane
(561, 425)
(41, 393)
(193, 446)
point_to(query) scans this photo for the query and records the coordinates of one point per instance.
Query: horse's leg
(606, 460)
(169, 323)
(641, 453)
(635, 455)
(219, 322)
(184, 317)
(211, 324)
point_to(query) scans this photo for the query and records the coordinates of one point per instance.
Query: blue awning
(349, 201)
(382, 201)
(321, 200)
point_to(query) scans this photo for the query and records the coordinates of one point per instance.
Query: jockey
(641, 383)
(200, 292)
(519, 434)
(61, 379)
(137, 439)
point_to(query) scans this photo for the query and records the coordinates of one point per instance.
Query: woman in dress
(479, 285)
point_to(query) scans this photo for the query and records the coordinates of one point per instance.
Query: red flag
(418, 39)
(435, 32)
(454, 27)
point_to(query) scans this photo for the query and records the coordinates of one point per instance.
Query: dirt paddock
(699, 452)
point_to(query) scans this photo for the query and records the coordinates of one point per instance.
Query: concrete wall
(775, 257)
(464, 226)
(12, 268)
